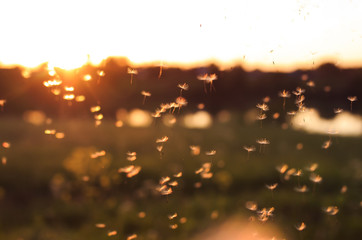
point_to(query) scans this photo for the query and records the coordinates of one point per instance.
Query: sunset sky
(255, 33)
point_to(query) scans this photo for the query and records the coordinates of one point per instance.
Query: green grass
(41, 197)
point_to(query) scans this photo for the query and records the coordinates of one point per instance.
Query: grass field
(44, 193)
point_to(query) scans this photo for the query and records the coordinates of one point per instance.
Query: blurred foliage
(235, 88)
(44, 195)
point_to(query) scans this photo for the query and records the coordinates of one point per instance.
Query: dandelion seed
(52, 72)
(173, 226)
(132, 72)
(79, 98)
(337, 110)
(272, 186)
(162, 140)
(131, 158)
(100, 225)
(131, 154)
(251, 205)
(352, 99)
(126, 169)
(282, 168)
(131, 237)
(195, 150)
(145, 94)
(312, 167)
(68, 97)
(59, 135)
(156, 114)
(56, 91)
(210, 153)
(261, 117)
(298, 173)
(159, 148)
(172, 216)
(134, 172)
(166, 191)
(178, 175)
(301, 226)
(200, 170)
(326, 144)
(310, 84)
(315, 178)
(249, 149)
(52, 83)
(206, 175)
(263, 107)
(163, 180)
(331, 210)
(98, 116)
(87, 77)
(262, 142)
(98, 154)
(298, 91)
(302, 189)
(264, 214)
(284, 94)
(161, 65)
(208, 78)
(289, 173)
(49, 131)
(161, 188)
(183, 87)
(173, 183)
(69, 89)
(101, 73)
(112, 233)
(180, 101)
(94, 109)
(97, 122)
(299, 101)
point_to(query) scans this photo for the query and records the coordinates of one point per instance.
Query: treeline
(327, 87)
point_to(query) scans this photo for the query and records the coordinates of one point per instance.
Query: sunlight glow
(266, 34)
(344, 124)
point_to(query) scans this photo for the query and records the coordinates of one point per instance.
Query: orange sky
(255, 33)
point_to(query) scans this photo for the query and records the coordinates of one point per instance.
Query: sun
(67, 63)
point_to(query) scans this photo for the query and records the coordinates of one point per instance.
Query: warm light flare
(281, 35)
